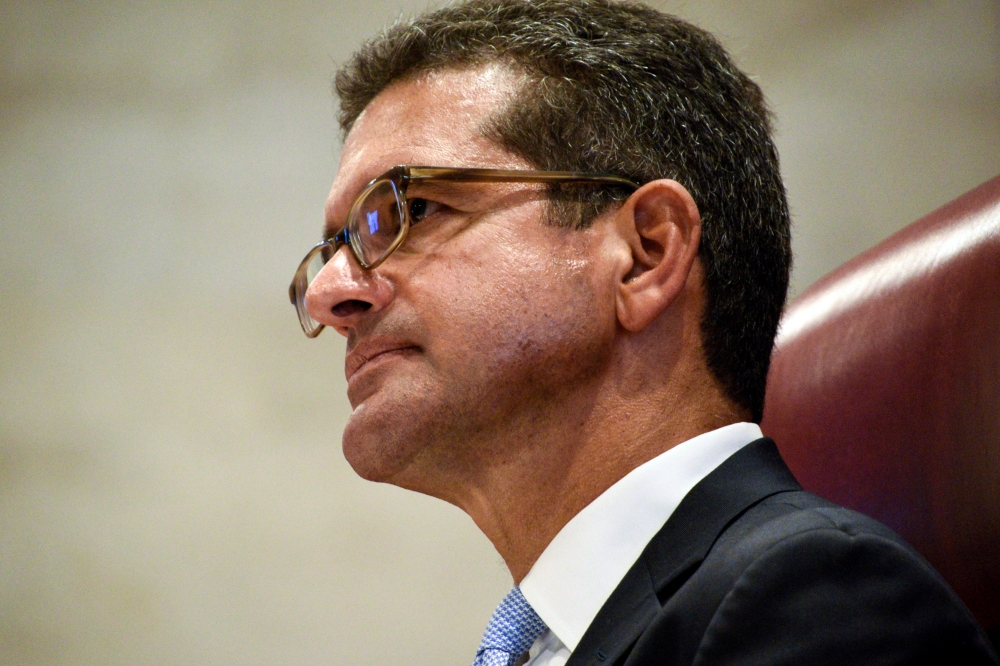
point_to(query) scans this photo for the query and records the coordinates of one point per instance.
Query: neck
(575, 454)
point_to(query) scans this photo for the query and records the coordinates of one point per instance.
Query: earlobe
(662, 226)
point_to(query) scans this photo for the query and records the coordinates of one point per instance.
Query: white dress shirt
(587, 559)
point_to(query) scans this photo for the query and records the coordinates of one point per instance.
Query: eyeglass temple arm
(514, 176)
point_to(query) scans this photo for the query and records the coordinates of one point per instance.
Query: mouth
(366, 357)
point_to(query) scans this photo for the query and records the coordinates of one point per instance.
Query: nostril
(351, 307)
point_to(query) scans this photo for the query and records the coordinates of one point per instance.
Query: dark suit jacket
(750, 569)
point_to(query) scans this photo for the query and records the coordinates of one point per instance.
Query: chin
(362, 450)
(375, 447)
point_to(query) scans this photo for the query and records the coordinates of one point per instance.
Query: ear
(662, 226)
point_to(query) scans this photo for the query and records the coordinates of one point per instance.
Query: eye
(421, 208)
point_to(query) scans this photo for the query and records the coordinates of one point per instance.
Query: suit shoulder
(785, 514)
(811, 581)
(798, 579)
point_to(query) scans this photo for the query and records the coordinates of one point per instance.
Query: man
(558, 247)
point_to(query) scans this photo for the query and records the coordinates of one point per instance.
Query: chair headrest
(884, 390)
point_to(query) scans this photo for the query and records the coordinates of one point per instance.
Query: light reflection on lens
(375, 222)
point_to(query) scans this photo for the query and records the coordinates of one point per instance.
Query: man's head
(623, 89)
(511, 307)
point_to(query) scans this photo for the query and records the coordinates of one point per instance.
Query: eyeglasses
(380, 218)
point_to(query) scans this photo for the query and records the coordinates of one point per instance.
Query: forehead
(432, 120)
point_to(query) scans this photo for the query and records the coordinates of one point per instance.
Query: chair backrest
(884, 391)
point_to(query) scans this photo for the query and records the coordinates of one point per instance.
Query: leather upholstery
(884, 391)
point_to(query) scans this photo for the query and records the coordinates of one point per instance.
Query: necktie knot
(513, 628)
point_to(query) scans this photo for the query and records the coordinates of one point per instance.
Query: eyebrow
(461, 190)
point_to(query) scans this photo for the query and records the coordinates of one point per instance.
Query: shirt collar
(587, 559)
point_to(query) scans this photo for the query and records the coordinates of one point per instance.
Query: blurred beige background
(171, 484)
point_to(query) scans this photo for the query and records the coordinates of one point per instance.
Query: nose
(343, 293)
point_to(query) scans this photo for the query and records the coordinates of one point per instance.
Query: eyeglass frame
(401, 177)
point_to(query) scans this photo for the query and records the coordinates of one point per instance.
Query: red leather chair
(884, 391)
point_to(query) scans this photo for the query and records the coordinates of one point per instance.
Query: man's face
(487, 324)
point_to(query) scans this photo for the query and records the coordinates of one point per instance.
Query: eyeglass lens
(303, 278)
(373, 225)
(375, 222)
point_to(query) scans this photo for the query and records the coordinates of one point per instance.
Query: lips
(371, 352)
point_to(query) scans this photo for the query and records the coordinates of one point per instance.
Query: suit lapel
(750, 475)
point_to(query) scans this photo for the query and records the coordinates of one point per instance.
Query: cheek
(513, 305)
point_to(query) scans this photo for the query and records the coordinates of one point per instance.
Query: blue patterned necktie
(513, 628)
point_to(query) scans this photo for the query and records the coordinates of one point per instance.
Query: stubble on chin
(375, 441)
